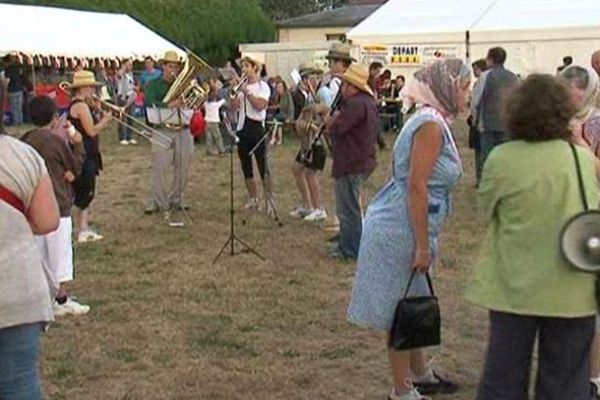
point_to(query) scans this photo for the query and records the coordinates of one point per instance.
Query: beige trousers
(170, 170)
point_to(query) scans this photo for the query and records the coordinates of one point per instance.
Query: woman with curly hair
(529, 190)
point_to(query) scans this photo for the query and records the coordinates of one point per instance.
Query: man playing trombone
(169, 119)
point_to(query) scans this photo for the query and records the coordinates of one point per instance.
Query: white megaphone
(580, 241)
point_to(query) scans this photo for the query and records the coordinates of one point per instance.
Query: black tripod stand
(232, 236)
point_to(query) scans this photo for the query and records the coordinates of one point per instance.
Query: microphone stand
(232, 236)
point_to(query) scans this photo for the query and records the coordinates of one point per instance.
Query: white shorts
(57, 250)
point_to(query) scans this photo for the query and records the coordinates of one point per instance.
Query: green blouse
(527, 193)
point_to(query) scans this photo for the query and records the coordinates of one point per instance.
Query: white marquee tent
(535, 33)
(63, 33)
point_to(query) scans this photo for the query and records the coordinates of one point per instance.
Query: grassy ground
(167, 324)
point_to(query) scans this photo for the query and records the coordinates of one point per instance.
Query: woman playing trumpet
(89, 124)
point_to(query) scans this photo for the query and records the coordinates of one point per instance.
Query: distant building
(326, 25)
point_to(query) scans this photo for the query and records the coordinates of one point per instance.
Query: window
(335, 36)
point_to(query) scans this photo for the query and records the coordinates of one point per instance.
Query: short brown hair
(539, 109)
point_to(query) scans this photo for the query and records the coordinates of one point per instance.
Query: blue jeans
(125, 133)
(347, 203)
(488, 141)
(19, 354)
(16, 107)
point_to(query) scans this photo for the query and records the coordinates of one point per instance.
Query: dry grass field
(167, 324)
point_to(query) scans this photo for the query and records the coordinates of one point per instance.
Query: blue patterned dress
(387, 244)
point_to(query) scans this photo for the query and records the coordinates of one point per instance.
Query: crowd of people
(545, 128)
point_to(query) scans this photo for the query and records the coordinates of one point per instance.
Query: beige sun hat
(84, 78)
(171, 56)
(358, 76)
(308, 68)
(340, 51)
(257, 59)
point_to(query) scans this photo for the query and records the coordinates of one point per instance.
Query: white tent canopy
(535, 33)
(58, 32)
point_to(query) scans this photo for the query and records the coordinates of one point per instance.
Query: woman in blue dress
(404, 219)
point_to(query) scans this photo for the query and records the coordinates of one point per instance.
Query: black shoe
(181, 208)
(151, 210)
(335, 238)
(594, 391)
(441, 386)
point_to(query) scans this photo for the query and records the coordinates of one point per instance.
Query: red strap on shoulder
(12, 199)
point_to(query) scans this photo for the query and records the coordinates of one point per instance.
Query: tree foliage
(285, 9)
(211, 28)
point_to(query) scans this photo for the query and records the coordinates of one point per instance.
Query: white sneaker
(318, 214)
(132, 141)
(88, 236)
(252, 204)
(300, 212)
(70, 307)
(412, 395)
(595, 388)
(124, 142)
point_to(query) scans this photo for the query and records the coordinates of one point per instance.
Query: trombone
(152, 135)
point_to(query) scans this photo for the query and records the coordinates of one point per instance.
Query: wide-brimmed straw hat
(307, 68)
(340, 51)
(171, 56)
(84, 78)
(257, 59)
(358, 76)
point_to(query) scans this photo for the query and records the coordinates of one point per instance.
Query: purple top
(591, 133)
(353, 134)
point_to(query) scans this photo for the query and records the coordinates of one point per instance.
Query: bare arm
(257, 102)
(82, 112)
(42, 213)
(427, 144)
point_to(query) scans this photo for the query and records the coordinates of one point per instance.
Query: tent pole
(468, 46)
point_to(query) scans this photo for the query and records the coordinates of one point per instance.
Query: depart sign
(405, 56)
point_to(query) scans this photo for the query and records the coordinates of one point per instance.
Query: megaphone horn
(580, 241)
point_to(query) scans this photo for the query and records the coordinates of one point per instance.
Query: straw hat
(171, 56)
(358, 76)
(84, 78)
(307, 68)
(340, 51)
(257, 59)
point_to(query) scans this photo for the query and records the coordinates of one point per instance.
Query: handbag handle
(579, 178)
(412, 277)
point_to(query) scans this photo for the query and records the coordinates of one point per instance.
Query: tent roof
(444, 18)
(51, 31)
(342, 16)
(539, 14)
(412, 17)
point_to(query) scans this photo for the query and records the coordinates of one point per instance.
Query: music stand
(232, 236)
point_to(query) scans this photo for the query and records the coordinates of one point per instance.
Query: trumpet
(119, 114)
(235, 90)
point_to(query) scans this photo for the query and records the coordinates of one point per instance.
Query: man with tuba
(169, 119)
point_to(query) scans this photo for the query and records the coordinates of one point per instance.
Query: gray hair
(578, 75)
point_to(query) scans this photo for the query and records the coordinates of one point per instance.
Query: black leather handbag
(417, 320)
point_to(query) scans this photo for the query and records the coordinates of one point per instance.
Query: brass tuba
(186, 87)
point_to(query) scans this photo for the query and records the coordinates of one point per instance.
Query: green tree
(285, 9)
(212, 29)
